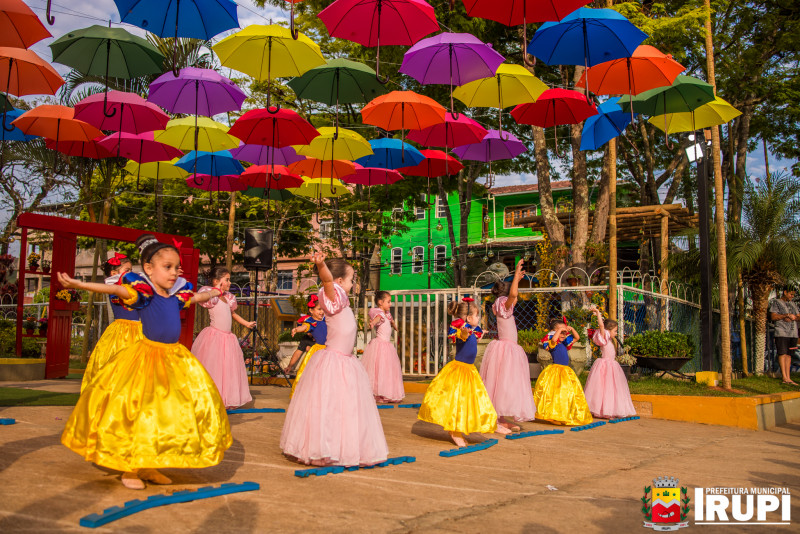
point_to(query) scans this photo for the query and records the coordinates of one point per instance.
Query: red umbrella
(372, 176)
(435, 164)
(375, 22)
(207, 182)
(280, 129)
(125, 112)
(141, 148)
(450, 133)
(270, 177)
(84, 149)
(554, 107)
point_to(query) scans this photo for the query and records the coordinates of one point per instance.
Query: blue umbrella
(10, 132)
(391, 154)
(218, 163)
(609, 123)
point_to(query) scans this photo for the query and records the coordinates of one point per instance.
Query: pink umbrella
(266, 155)
(451, 133)
(372, 176)
(141, 148)
(125, 112)
(207, 182)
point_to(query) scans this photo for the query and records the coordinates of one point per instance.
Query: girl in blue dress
(153, 405)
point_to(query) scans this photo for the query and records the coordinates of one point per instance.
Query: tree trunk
(554, 228)
(760, 295)
(229, 239)
(580, 198)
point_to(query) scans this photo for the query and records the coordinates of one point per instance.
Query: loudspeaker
(257, 249)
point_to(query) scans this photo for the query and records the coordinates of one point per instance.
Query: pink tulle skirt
(220, 354)
(332, 418)
(383, 368)
(606, 390)
(507, 377)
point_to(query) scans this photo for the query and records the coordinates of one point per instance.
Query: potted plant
(45, 266)
(625, 360)
(70, 296)
(33, 261)
(42, 326)
(662, 351)
(29, 324)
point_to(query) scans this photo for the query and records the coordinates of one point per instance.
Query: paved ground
(588, 481)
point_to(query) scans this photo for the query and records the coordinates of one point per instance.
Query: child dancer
(607, 390)
(124, 330)
(380, 357)
(457, 399)
(153, 405)
(332, 418)
(558, 394)
(504, 368)
(317, 333)
(218, 348)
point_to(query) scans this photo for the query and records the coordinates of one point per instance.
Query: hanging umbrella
(435, 164)
(12, 133)
(266, 52)
(347, 145)
(122, 112)
(217, 163)
(57, 123)
(279, 195)
(647, 68)
(453, 132)
(270, 177)
(391, 154)
(609, 123)
(451, 59)
(317, 168)
(157, 170)
(403, 110)
(210, 135)
(375, 22)
(495, 146)
(373, 176)
(516, 12)
(216, 183)
(83, 149)
(554, 107)
(266, 155)
(685, 94)
(320, 188)
(196, 92)
(108, 52)
(511, 85)
(19, 25)
(23, 73)
(713, 113)
(142, 148)
(280, 129)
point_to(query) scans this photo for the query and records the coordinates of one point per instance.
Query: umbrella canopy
(339, 81)
(12, 133)
(348, 145)
(391, 154)
(450, 59)
(157, 170)
(102, 51)
(375, 22)
(403, 110)
(495, 146)
(196, 92)
(280, 129)
(516, 12)
(436, 163)
(453, 132)
(713, 113)
(586, 37)
(555, 106)
(317, 168)
(511, 85)
(196, 19)
(685, 94)
(142, 148)
(23, 73)
(217, 163)
(270, 177)
(55, 122)
(609, 122)
(268, 194)
(19, 25)
(216, 183)
(320, 188)
(372, 176)
(266, 155)
(83, 149)
(646, 69)
(131, 113)
(211, 135)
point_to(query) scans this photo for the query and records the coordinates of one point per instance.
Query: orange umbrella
(22, 73)
(646, 69)
(19, 26)
(403, 110)
(56, 122)
(318, 168)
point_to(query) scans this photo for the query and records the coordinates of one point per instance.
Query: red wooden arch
(65, 236)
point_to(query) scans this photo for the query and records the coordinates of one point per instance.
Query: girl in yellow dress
(153, 405)
(457, 399)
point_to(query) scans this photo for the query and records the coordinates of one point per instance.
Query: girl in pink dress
(504, 369)
(332, 418)
(218, 348)
(380, 357)
(607, 392)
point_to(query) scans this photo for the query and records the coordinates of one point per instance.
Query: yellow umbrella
(714, 113)
(211, 135)
(320, 188)
(266, 52)
(349, 145)
(157, 170)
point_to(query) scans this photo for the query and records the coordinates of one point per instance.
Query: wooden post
(664, 275)
(612, 229)
(231, 221)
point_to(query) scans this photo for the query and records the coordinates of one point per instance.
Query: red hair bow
(117, 259)
(312, 301)
(468, 299)
(564, 318)
(177, 243)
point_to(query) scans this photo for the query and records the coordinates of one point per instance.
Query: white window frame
(417, 260)
(325, 230)
(396, 262)
(440, 208)
(282, 277)
(440, 258)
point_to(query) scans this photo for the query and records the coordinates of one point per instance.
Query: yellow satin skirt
(120, 334)
(457, 400)
(302, 367)
(152, 406)
(559, 397)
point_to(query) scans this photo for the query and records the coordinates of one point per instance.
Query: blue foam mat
(587, 427)
(336, 469)
(7, 421)
(258, 410)
(471, 448)
(417, 405)
(632, 418)
(533, 433)
(385, 406)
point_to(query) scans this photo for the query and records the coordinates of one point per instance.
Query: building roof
(527, 188)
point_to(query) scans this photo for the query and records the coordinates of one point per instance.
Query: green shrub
(286, 336)
(43, 295)
(530, 339)
(655, 344)
(8, 342)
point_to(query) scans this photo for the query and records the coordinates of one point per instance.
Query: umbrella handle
(175, 70)
(50, 19)
(5, 105)
(525, 60)
(105, 107)
(294, 31)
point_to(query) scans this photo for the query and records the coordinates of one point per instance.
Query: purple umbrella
(495, 146)
(451, 59)
(196, 92)
(260, 154)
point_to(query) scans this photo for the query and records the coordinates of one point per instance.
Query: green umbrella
(271, 194)
(685, 94)
(340, 81)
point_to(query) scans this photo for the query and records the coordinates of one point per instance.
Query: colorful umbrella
(713, 113)
(317, 168)
(142, 148)
(219, 163)
(216, 183)
(436, 163)
(203, 133)
(83, 149)
(19, 25)
(23, 73)
(495, 146)
(266, 155)
(609, 123)
(157, 170)
(391, 154)
(646, 69)
(320, 188)
(266, 52)
(403, 110)
(372, 22)
(453, 132)
(12, 133)
(280, 129)
(450, 59)
(270, 177)
(554, 107)
(373, 176)
(279, 195)
(122, 112)
(685, 94)
(347, 145)
(55, 122)
(196, 92)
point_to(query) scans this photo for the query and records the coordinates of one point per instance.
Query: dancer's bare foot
(508, 424)
(151, 475)
(131, 481)
(502, 429)
(458, 439)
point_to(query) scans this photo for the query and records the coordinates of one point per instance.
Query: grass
(36, 397)
(745, 387)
